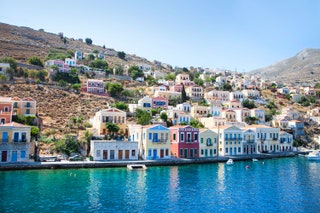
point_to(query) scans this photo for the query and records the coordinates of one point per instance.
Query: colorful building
(184, 141)
(6, 110)
(155, 143)
(15, 142)
(208, 143)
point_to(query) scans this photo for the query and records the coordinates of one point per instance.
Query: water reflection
(173, 192)
(221, 177)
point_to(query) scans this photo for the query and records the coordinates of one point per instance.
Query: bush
(35, 61)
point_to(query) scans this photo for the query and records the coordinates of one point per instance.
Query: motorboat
(229, 162)
(255, 160)
(136, 167)
(314, 156)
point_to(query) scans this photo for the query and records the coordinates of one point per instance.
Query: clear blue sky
(231, 34)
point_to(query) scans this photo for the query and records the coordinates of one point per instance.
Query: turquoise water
(277, 185)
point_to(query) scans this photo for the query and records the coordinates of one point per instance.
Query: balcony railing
(232, 139)
(20, 141)
(161, 140)
(189, 141)
(4, 140)
(250, 141)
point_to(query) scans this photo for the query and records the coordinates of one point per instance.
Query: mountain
(301, 68)
(24, 42)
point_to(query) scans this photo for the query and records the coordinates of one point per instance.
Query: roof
(5, 99)
(14, 124)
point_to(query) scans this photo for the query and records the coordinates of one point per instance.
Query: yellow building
(208, 143)
(15, 142)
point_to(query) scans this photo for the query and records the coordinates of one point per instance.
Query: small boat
(229, 162)
(314, 156)
(136, 167)
(255, 160)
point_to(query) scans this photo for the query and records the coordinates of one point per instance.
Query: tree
(164, 116)
(135, 72)
(170, 76)
(34, 60)
(64, 40)
(121, 54)
(251, 120)
(42, 74)
(67, 145)
(11, 61)
(153, 111)
(196, 124)
(143, 116)
(114, 89)
(35, 132)
(248, 104)
(3, 78)
(183, 94)
(76, 87)
(91, 57)
(99, 64)
(226, 87)
(95, 51)
(112, 128)
(198, 81)
(120, 105)
(88, 41)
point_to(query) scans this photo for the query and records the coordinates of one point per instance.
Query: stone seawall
(148, 163)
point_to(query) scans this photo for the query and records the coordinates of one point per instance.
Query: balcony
(189, 141)
(209, 143)
(250, 141)
(160, 140)
(232, 139)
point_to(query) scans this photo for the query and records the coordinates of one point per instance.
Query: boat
(314, 156)
(136, 167)
(255, 160)
(229, 162)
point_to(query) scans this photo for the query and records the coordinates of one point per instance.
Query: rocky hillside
(23, 42)
(301, 68)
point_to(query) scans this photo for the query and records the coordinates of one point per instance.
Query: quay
(162, 162)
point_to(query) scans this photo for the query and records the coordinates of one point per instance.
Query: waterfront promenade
(163, 162)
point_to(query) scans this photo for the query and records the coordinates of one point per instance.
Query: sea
(273, 185)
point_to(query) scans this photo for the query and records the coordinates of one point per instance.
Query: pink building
(184, 141)
(62, 67)
(176, 88)
(95, 86)
(159, 102)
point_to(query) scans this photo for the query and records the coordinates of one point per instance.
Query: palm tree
(112, 128)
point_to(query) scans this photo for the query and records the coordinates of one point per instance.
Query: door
(235, 150)
(4, 137)
(161, 153)
(155, 154)
(186, 153)
(105, 154)
(126, 154)
(155, 137)
(210, 152)
(206, 152)
(4, 156)
(231, 151)
(120, 154)
(14, 156)
(191, 153)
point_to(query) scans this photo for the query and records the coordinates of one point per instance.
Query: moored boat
(229, 162)
(136, 167)
(314, 156)
(255, 160)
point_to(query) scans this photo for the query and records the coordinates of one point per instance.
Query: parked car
(76, 158)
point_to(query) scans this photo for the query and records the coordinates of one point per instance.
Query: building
(230, 140)
(145, 103)
(183, 78)
(155, 142)
(249, 142)
(15, 142)
(194, 92)
(297, 128)
(184, 141)
(59, 64)
(178, 116)
(211, 122)
(260, 114)
(24, 106)
(95, 86)
(6, 110)
(159, 102)
(113, 150)
(199, 111)
(286, 141)
(208, 143)
(71, 62)
(186, 107)
(3, 68)
(111, 115)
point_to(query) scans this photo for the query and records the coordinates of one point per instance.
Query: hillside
(301, 68)
(23, 42)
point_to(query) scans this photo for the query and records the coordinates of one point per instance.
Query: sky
(240, 35)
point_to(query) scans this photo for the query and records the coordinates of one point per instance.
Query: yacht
(136, 167)
(314, 156)
(229, 162)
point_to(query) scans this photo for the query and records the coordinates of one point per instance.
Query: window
(174, 137)
(226, 150)
(239, 149)
(98, 153)
(181, 137)
(23, 154)
(24, 137)
(181, 152)
(111, 154)
(201, 139)
(150, 136)
(201, 151)
(149, 152)
(195, 136)
(167, 152)
(133, 153)
(195, 151)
